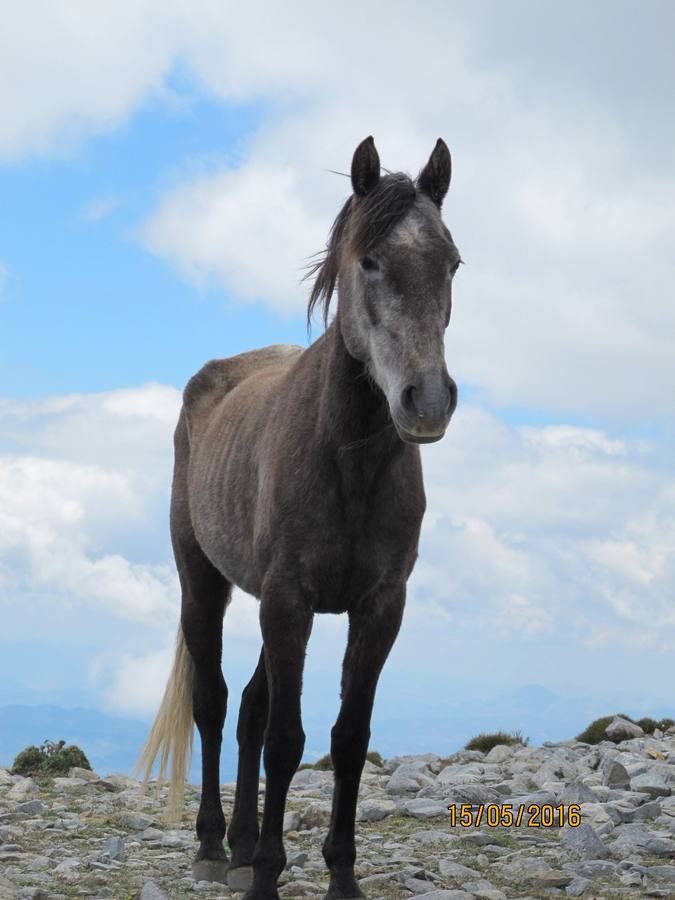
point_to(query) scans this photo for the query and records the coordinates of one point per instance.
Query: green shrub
(595, 733)
(647, 724)
(28, 761)
(51, 758)
(325, 763)
(485, 742)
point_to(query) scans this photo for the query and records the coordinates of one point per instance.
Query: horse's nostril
(407, 401)
(452, 396)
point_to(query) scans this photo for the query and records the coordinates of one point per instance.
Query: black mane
(370, 218)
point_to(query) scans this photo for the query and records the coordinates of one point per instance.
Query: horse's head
(394, 261)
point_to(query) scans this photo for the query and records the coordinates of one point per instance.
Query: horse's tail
(170, 737)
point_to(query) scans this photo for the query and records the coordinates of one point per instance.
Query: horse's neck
(353, 410)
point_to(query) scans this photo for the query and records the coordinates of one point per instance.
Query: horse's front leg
(372, 632)
(286, 623)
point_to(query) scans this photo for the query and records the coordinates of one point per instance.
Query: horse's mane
(367, 220)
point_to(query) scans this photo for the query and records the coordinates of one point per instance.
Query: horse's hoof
(353, 892)
(359, 896)
(240, 878)
(210, 870)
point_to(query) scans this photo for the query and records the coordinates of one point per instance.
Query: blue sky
(164, 178)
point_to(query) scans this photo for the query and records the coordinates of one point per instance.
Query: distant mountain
(111, 743)
(449, 715)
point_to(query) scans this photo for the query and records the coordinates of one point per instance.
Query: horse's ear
(434, 179)
(365, 167)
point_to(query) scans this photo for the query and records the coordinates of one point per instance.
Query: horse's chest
(364, 546)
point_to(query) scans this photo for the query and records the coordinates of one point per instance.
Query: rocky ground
(86, 836)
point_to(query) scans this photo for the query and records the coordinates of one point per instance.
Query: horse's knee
(283, 749)
(348, 748)
(209, 700)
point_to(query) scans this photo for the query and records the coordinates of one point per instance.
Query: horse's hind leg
(205, 596)
(242, 835)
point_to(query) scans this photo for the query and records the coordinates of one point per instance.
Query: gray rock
(121, 781)
(135, 821)
(114, 848)
(450, 869)
(469, 793)
(616, 776)
(417, 885)
(22, 790)
(577, 887)
(298, 858)
(653, 890)
(445, 895)
(489, 893)
(621, 729)
(374, 809)
(150, 834)
(409, 779)
(480, 888)
(85, 774)
(649, 810)
(425, 808)
(31, 807)
(538, 798)
(500, 753)
(576, 792)
(594, 867)
(317, 813)
(310, 777)
(523, 869)
(584, 842)
(150, 891)
(637, 837)
(291, 820)
(653, 782)
(433, 836)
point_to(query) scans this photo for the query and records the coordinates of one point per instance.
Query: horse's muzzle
(425, 407)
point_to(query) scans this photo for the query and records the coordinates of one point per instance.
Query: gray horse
(298, 478)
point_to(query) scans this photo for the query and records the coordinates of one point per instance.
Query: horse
(298, 478)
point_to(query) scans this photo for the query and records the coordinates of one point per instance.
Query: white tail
(171, 733)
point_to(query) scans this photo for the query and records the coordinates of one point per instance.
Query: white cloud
(82, 481)
(567, 235)
(535, 531)
(70, 71)
(138, 681)
(100, 208)
(548, 534)
(212, 226)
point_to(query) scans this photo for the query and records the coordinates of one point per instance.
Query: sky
(165, 176)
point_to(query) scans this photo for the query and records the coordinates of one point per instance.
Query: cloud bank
(531, 533)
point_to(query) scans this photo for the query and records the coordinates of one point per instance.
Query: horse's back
(220, 376)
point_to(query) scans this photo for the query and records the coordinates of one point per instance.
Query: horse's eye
(452, 268)
(368, 264)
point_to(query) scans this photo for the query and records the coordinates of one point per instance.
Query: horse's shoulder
(219, 376)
